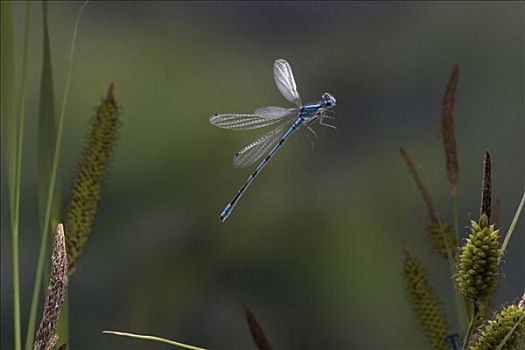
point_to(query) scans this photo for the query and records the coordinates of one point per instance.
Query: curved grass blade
(13, 137)
(513, 225)
(151, 337)
(46, 129)
(46, 143)
(7, 96)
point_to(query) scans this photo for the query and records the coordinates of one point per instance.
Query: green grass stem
(8, 100)
(151, 337)
(471, 327)
(18, 180)
(51, 190)
(14, 137)
(513, 224)
(46, 143)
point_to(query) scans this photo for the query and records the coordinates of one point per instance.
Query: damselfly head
(328, 100)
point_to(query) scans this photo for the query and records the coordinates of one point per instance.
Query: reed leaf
(46, 144)
(51, 189)
(47, 129)
(13, 135)
(8, 99)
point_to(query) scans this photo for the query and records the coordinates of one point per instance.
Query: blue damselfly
(290, 120)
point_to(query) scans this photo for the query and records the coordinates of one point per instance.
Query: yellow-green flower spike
(441, 235)
(508, 325)
(87, 185)
(425, 303)
(478, 261)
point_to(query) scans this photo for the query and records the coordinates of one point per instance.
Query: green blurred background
(314, 247)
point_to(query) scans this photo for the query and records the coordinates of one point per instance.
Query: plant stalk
(470, 329)
(18, 177)
(513, 224)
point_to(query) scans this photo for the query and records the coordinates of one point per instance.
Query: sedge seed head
(509, 320)
(477, 275)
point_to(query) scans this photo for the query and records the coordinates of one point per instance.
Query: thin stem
(470, 329)
(51, 190)
(513, 225)
(18, 180)
(150, 337)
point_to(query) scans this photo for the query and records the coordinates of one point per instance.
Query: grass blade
(51, 189)
(18, 176)
(513, 225)
(13, 137)
(46, 144)
(151, 337)
(46, 129)
(7, 90)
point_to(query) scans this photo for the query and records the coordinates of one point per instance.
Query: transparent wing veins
(255, 150)
(262, 117)
(284, 79)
